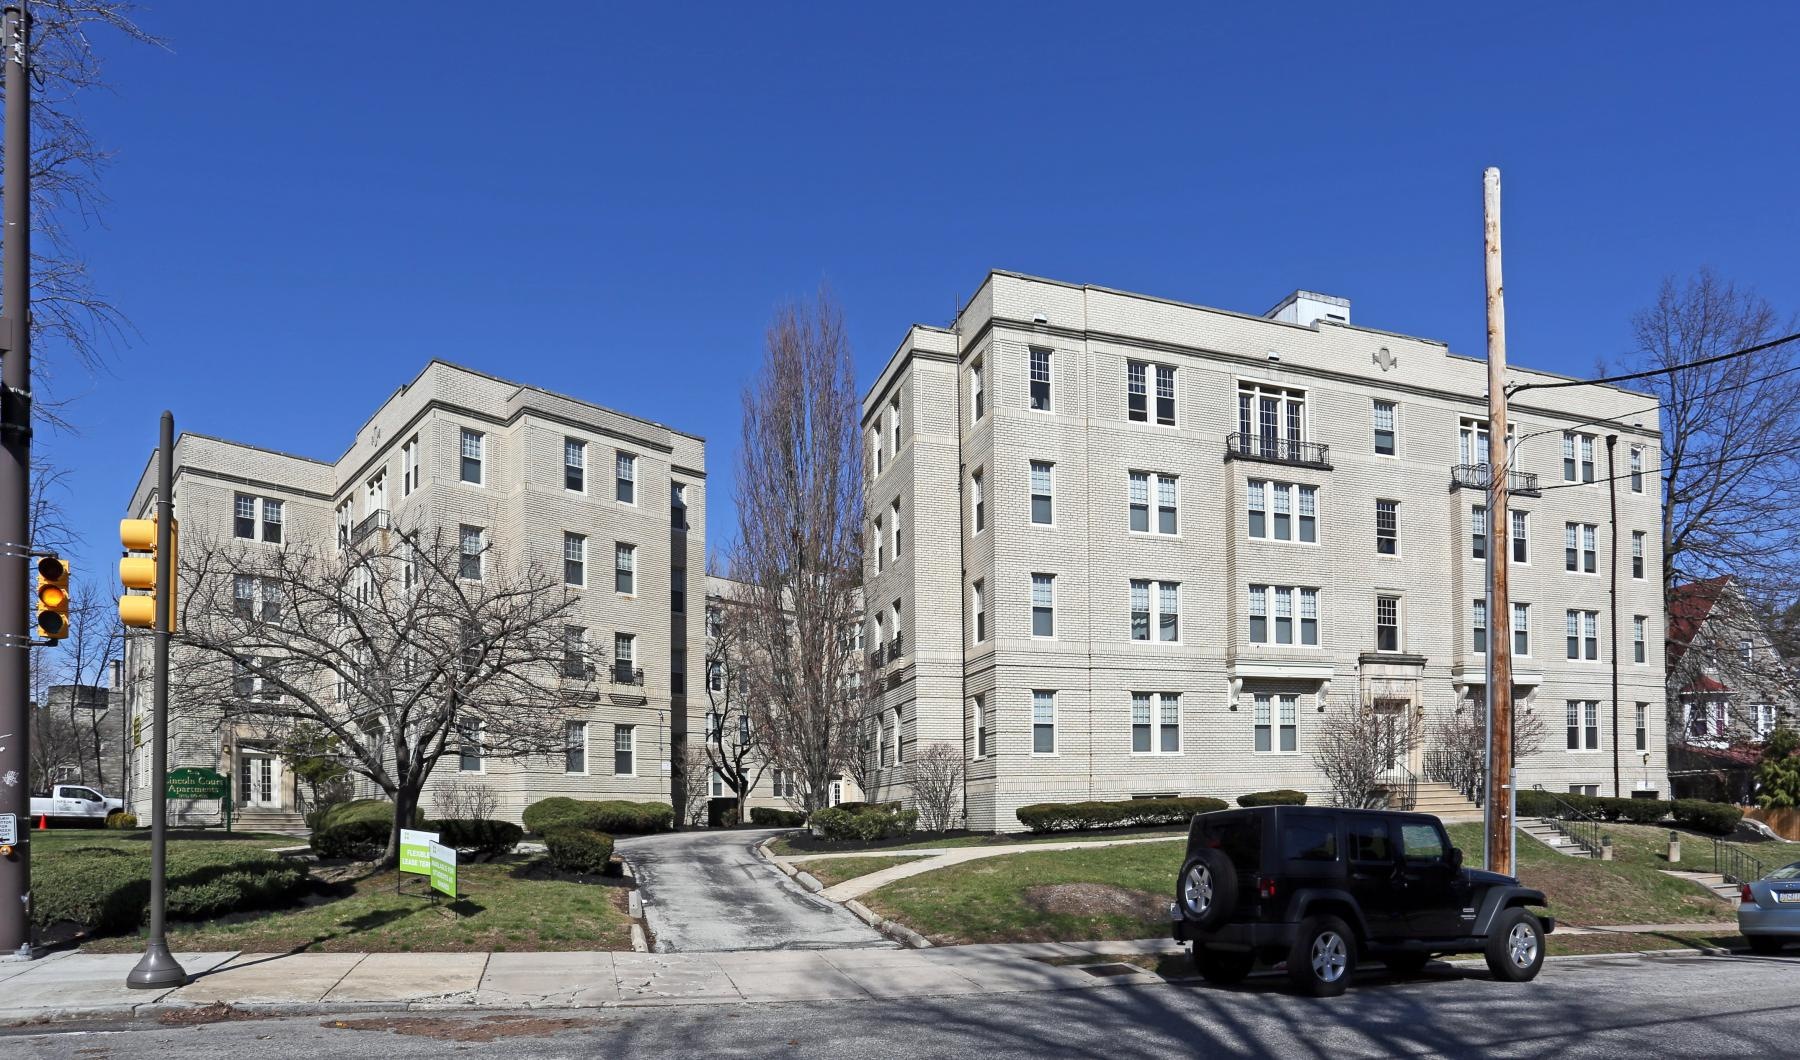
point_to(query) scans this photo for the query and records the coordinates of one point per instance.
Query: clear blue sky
(608, 200)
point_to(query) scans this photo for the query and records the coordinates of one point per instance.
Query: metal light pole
(15, 484)
(158, 969)
(1499, 803)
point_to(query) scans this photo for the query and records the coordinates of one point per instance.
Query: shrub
(487, 837)
(1715, 818)
(122, 820)
(1637, 811)
(1534, 803)
(579, 850)
(770, 817)
(614, 817)
(1278, 797)
(107, 890)
(1079, 816)
(358, 830)
(868, 825)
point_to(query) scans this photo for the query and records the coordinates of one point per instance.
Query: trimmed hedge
(1080, 816)
(358, 830)
(1715, 818)
(1278, 797)
(770, 817)
(613, 816)
(107, 890)
(122, 820)
(868, 824)
(582, 851)
(487, 837)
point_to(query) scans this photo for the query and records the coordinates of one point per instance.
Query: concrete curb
(808, 881)
(862, 912)
(640, 942)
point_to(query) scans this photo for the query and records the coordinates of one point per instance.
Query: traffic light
(139, 572)
(53, 598)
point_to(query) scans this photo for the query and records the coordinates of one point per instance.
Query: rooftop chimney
(1306, 308)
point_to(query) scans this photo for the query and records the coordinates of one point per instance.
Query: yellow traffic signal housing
(53, 598)
(139, 572)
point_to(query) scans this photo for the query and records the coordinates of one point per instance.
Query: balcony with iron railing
(878, 657)
(623, 673)
(1274, 449)
(368, 524)
(1481, 477)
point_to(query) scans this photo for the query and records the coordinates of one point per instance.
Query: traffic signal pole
(158, 968)
(15, 486)
(1499, 800)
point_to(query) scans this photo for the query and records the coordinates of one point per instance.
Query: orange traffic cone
(43, 822)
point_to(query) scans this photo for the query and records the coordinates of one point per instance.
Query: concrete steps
(1712, 881)
(1444, 801)
(1548, 834)
(276, 821)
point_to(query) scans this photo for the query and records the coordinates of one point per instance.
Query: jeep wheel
(1222, 967)
(1323, 956)
(1515, 946)
(1406, 963)
(1207, 892)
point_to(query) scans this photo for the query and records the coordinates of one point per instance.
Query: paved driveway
(708, 891)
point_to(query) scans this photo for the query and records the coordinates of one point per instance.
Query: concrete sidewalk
(77, 985)
(930, 860)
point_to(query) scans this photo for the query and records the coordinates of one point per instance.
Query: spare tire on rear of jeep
(1207, 890)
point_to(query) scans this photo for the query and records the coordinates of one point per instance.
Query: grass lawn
(516, 903)
(833, 871)
(139, 839)
(800, 844)
(1627, 890)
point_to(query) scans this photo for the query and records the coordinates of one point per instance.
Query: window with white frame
(1764, 715)
(575, 747)
(879, 544)
(1043, 605)
(624, 750)
(1042, 496)
(473, 444)
(1387, 527)
(1637, 554)
(1152, 502)
(1583, 634)
(1155, 606)
(977, 607)
(409, 466)
(1479, 624)
(875, 446)
(625, 658)
(1641, 727)
(1276, 719)
(1521, 628)
(1386, 436)
(1043, 722)
(678, 505)
(574, 465)
(1472, 442)
(977, 390)
(1640, 639)
(1747, 650)
(1521, 537)
(981, 726)
(1155, 723)
(1040, 379)
(1581, 552)
(1273, 612)
(1583, 723)
(624, 568)
(575, 654)
(1271, 420)
(473, 541)
(625, 477)
(1478, 532)
(894, 423)
(1139, 376)
(469, 749)
(894, 527)
(977, 501)
(1387, 623)
(1272, 509)
(1637, 469)
(574, 559)
(1578, 457)
(246, 525)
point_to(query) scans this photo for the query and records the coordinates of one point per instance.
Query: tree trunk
(406, 803)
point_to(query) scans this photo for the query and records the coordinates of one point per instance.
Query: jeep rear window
(1309, 840)
(1240, 841)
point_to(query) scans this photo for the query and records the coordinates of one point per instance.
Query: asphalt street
(1579, 1007)
(707, 891)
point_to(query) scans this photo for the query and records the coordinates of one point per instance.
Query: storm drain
(1107, 971)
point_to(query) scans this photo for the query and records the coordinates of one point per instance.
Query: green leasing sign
(190, 782)
(415, 851)
(443, 869)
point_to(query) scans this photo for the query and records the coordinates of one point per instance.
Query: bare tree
(866, 692)
(1458, 743)
(694, 766)
(733, 739)
(1731, 436)
(937, 787)
(387, 647)
(1357, 748)
(799, 548)
(81, 664)
(1728, 676)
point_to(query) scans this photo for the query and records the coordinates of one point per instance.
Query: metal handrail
(1401, 785)
(1583, 830)
(1736, 865)
(1277, 450)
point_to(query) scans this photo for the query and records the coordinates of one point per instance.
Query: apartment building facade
(615, 502)
(1121, 546)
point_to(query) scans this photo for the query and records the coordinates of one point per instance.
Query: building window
(875, 446)
(575, 662)
(1578, 457)
(1272, 507)
(1637, 469)
(1277, 719)
(1043, 605)
(1387, 623)
(1271, 421)
(473, 540)
(1042, 512)
(981, 727)
(977, 502)
(624, 750)
(978, 605)
(625, 658)
(1637, 554)
(409, 466)
(1387, 528)
(575, 465)
(1478, 616)
(1747, 650)
(678, 590)
(625, 473)
(1043, 723)
(1478, 532)
(574, 559)
(678, 505)
(1581, 552)
(575, 747)
(1286, 603)
(1583, 634)
(1641, 726)
(1764, 713)
(1640, 645)
(1148, 492)
(469, 746)
(1583, 718)
(880, 544)
(1521, 629)
(1137, 385)
(894, 424)
(1384, 428)
(244, 593)
(1521, 537)
(1040, 379)
(1472, 442)
(1155, 723)
(624, 568)
(977, 391)
(472, 446)
(1157, 605)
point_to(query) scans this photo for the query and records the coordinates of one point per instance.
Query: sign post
(443, 869)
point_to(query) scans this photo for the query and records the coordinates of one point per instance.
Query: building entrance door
(259, 779)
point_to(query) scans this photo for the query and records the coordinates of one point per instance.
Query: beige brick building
(544, 478)
(1122, 546)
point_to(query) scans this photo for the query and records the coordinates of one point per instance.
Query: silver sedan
(1769, 909)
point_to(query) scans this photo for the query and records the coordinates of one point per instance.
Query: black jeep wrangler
(1323, 889)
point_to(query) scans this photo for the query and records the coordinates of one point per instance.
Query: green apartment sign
(191, 782)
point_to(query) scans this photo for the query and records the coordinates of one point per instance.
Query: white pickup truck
(72, 802)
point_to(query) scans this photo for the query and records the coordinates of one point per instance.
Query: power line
(1786, 450)
(1647, 373)
(1600, 420)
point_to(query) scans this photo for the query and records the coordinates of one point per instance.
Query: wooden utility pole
(1499, 801)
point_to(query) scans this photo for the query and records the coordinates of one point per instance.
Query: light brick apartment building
(542, 478)
(1123, 546)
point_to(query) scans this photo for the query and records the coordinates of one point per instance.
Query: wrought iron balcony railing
(1481, 477)
(626, 674)
(368, 524)
(1277, 450)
